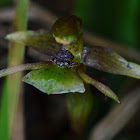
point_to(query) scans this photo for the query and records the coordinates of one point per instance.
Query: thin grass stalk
(13, 82)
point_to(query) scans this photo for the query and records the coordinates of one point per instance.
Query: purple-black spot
(63, 58)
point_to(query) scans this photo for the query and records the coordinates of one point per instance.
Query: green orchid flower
(65, 72)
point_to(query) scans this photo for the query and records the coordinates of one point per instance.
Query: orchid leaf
(101, 87)
(55, 80)
(40, 40)
(109, 61)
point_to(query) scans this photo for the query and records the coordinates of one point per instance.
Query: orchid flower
(65, 72)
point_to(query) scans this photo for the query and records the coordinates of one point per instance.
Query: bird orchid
(65, 72)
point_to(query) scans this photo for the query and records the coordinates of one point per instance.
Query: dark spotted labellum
(63, 58)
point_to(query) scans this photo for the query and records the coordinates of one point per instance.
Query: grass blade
(12, 83)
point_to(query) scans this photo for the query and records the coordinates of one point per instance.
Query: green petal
(68, 28)
(40, 40)
(101, 87)
(55, 80)
(76, 49)
(109, 61)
